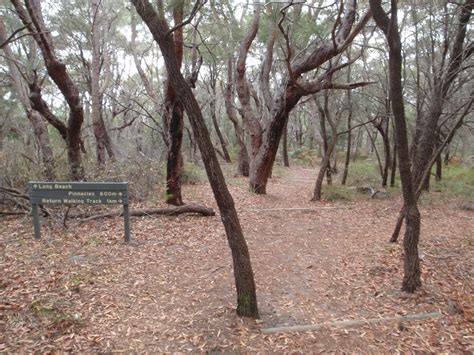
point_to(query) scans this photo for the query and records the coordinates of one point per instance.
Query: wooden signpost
(91, 193)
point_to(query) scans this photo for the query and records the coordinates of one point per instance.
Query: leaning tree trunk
(382, 127)
(412, 278)
(243, 274)
(222, 142)
(426, 130)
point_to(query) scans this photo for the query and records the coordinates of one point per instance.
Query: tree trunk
(393, 172)
(294, 87)
(439, 168)
(243, 274)
(33, 19)
(286, 161)
(447, 156)
(329, 148)
(243, 164)
(324, 168)
(373, 149)
(41, 132)
(358, 139)
(100, 131)
(382, 127)
(426, 128)
(349, 132)
(323, 116)
(243, 90)
(411, 279)
(38, 122)
(262, 166)
(175, 121)
(218, 130)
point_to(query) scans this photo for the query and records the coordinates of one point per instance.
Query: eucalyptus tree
(243, 274)
(444, 79)
(19, 80)
(298, 77)
(389, 26)
(32, 18)
(224, 16)
(101, 23)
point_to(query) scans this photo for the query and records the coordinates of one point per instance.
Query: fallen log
(296, 209)
(13, 213)
(351, 323)
(170, 211)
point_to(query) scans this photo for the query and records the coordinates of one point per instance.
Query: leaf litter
(83, 290)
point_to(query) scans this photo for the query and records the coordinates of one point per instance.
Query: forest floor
(82, 289)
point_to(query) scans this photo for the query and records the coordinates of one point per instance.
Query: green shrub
(340, 193)
(363, 172)
(304, 156)
(193, 174)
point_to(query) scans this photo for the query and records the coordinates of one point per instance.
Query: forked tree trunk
(382, 127)
(294, 87)
(329, 147)
(243, 274)
(103, 143)
(243, 164)
(317, 193)
(251, 122)
(33, 19)
(38, 122)
(411, 278)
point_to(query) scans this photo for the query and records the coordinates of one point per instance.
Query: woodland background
(309, 104)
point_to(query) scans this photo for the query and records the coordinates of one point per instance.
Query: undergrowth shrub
(340, 193)
(304, 156)
(145, 177)
(193, 174)
(363, 172)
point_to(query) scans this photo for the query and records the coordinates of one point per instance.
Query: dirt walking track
(83, 290)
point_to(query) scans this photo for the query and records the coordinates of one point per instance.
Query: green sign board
(90, 193)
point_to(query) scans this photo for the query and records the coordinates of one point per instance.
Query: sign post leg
(36, 221)
(126, 223)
